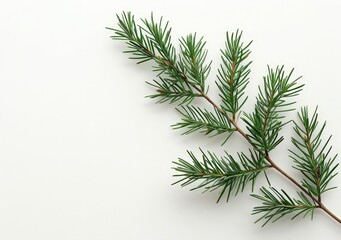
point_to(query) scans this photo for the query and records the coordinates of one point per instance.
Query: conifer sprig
(277, 204)
(182, 77)
(224, 173)
(233, 75)
(193, 60)
(168, 90)
(312, 154)
(140, 47)
(197, 119)
(266, 122)
(159, 35)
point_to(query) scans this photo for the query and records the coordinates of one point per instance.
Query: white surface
(83, 155)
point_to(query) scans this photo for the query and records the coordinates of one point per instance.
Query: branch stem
(330, 213)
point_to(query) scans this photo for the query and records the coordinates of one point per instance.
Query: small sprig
(140, 47)
(182, 78)
(223, 173)
(168, 90)
(312, 156)
(193, 60)
(265, 123)
(159, 35)
(277, 204)
(197, 119)
(233, 73)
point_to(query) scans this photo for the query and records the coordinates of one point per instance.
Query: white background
(83, 155)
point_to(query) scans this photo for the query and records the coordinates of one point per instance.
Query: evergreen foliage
(181, 77)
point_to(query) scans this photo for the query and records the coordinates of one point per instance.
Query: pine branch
(277, 204)
(223, 173)
(183, 78)
(197, 119)
(265, 123)
(313, 159)
(233, 73)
